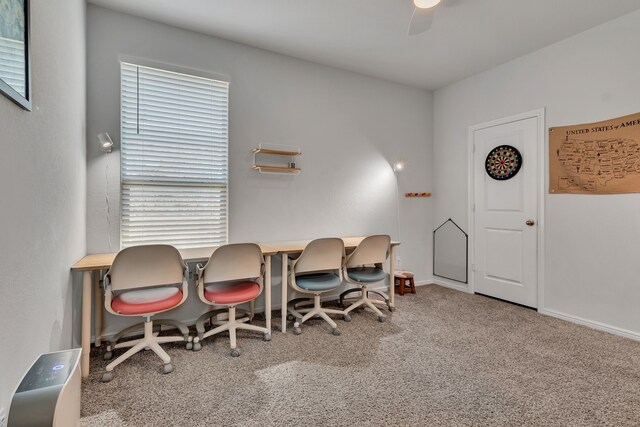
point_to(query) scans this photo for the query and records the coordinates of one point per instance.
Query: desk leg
(86, 321)
(285, 285)
(97, 307)
(267, 291)
(392, 271)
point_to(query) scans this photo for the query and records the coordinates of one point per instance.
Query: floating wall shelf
(417, 194)
(277, 151)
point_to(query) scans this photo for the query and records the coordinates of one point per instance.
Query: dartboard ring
(503, 162)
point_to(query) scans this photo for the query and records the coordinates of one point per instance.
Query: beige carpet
(445, 358)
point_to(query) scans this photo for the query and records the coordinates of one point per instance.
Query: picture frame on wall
(15, 64)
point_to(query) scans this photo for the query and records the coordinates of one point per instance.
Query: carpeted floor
(444, 358)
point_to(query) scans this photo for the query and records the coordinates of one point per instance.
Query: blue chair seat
(318, 282)
(366, 274)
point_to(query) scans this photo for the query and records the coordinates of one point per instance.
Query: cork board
(596, 158)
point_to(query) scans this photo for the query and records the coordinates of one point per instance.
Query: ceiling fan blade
(421, 21)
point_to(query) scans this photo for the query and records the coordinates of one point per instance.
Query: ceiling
(370, 36)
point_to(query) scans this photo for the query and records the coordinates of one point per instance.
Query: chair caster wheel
(335, 331)
(297, 331)
(391, 308)
(197, 346)
(167, 368)
(106, 377)
(108, 355)
(266, 337)
(235, 352)
(381, 319)
(347, 318)
(189, 346)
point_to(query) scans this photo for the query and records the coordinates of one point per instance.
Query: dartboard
(503, 162)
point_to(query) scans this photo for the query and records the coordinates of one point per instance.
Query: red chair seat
(231, 293)
(154, 306)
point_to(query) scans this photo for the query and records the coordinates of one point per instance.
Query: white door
(505, 262)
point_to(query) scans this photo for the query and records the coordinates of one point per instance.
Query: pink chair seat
(120, 305)
(231, 293)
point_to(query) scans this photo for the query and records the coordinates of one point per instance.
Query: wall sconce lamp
(398, 166)
(105, 142)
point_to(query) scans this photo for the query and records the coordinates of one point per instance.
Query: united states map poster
(595, 158)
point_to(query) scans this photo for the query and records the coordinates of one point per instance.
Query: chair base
(231, 325)
(304, 314)
(150, 341)
(364, 300)
(114, 344)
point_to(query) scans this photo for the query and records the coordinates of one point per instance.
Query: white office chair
(363, 267)
(144, 281)
(316, 271)
(234, 275)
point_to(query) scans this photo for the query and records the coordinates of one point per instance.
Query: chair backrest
(321, 255)
(372, 250)
(146, 266)
(234, 262)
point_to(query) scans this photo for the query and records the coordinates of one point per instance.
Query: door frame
(542, 155)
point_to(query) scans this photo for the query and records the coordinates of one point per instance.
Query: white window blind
(174, 169)
(12, 59)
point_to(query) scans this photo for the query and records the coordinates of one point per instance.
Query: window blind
(12, 59)
(174, 152)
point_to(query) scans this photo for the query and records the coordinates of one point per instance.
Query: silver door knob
(530, 222)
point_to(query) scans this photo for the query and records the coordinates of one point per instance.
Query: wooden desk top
(299, 245)
(104, 261)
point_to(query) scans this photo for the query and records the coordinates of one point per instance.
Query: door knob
(530, 222)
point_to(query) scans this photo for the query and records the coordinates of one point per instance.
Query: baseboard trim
(450, 285)
(424, 282)
(559, 315)
(591, 324)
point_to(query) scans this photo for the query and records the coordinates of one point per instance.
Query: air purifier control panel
(52, 369)
(49, 393)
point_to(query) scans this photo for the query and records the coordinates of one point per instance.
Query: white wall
(349, 127)
(43, 190)
(592, 267)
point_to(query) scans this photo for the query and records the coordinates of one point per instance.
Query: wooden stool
(403, 280)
